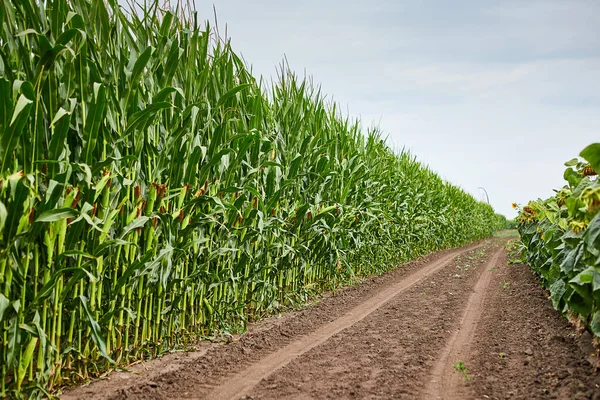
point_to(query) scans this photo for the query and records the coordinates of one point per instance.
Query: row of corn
(153, 192)
(561, 236)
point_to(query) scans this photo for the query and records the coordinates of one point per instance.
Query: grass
(509, 233)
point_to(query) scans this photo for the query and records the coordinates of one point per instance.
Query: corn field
(153, 192)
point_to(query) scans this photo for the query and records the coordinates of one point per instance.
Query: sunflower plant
(562, 238)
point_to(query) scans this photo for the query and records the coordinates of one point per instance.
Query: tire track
(445, 382)
(240, 384)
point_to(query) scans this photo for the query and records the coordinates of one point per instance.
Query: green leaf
(139, 222)
(76, 254)
(215, 141)
(592, 155)
(57, 215)
(60, 124)
(163, 94)
(100, 185)
(595, 324)
(95, 329)
(572, 162)
(59, 114)
(3, 216)
(26, 360)
(557, 290)
(104, 247)
(40, 332)
(89, 221)
(572, 260)
(14, 343)
(591, 237)
(68, 35)
(9, 137)
(580, 301)
(48, 288)
(572, 177)
(223, 99)
(584, 277)
(27, 328)
(22, 104)
(4, 303)
(27, 32)
(166, 23)
(88, 173)
(141, 117)
(139, 66)
(131, 269)
(94, 120)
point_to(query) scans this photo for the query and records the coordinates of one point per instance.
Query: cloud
(495, 94)
(555, 83)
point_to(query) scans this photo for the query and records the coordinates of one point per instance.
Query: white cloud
(495, 94)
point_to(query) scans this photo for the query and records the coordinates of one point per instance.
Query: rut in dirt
(245, 380)
(274, 345)
(391, 352)
(445, 382)
(395, 336)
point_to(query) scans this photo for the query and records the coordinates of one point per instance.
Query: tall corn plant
(152, 191)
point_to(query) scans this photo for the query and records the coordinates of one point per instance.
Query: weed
(516, 253)
(463, 369)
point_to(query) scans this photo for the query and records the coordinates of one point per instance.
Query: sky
(492, 94)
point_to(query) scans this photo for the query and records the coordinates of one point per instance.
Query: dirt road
(458, 324)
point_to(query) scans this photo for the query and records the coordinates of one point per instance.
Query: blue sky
(497, 94)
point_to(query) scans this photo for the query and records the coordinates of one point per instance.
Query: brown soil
(394, 336)
(542, 355)
(444, 385)
(246, 379)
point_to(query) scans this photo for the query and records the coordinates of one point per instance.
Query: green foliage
(516, 252)
(562, 238)
(463, 369)
(152, 192)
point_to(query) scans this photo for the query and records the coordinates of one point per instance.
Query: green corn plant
(152, 191)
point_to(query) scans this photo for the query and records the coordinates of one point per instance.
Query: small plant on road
(516, 252)
(463, 369)
(505, 284)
